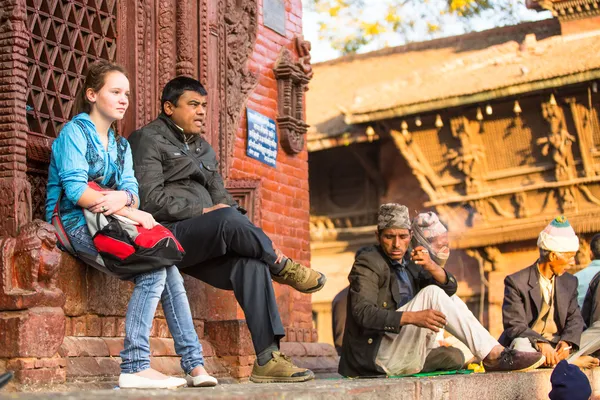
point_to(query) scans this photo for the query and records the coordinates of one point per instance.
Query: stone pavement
(493, 386)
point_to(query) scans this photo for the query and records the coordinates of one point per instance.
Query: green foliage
(350, 25)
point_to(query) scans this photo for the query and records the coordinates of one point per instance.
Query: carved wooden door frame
(227, 32)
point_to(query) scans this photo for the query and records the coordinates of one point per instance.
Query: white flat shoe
(201, 381)
(133, 381)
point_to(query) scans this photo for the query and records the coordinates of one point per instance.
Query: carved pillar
(166, 42)
(184, 64)
(32, 320)
(236, 82)
(15, 202)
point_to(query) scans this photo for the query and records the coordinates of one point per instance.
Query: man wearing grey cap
(399, 298)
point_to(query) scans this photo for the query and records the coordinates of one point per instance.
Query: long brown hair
(95, 80)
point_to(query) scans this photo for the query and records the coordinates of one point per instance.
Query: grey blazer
(523, 302)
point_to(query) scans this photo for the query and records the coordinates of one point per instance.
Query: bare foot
(199, 370)
(586, 362)
(151, 374)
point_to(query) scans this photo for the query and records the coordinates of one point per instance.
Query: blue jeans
(166, 285)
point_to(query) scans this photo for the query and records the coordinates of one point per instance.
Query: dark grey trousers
(224, 249)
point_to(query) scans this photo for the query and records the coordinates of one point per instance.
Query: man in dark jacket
(540, 311)
(181, 187)
(397, 302)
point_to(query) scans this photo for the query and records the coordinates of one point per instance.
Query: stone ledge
(492, 386)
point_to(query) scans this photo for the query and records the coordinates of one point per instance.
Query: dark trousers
(224, 249)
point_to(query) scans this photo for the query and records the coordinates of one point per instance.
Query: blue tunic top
(78, 156)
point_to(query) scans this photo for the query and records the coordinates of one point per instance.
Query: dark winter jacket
(173, 185)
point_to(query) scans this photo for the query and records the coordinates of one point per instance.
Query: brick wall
(284, 191)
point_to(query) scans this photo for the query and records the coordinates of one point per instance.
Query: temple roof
(449, 72)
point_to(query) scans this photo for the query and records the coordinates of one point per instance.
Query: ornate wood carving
(15, 203)
(558, 146)
(166, 41)
(65, 38)
(184, 64)
(503, 182)
(236, 83)
(145, 84)
(418, 163)
(292, 80)
(247, 193)
(568, 9)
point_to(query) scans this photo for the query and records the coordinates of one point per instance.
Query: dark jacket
(174, 186)
(523, 302)
(339, 307)
(372, 303)
(591, 304)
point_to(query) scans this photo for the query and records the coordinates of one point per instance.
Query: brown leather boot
(301, 278)
(280, 369)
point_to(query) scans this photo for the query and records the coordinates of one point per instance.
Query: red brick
(293, 349)
(231, 338)
(235, 361)
(41, 376)
(68, 327)
(17, 364)
(162, 347)
(207, 349)
(50, 362)
(93, 326)
(109, 326)
(83, 346)
(114, 346)
(199, 325)
(36, 332)
(78, 325)
(120, 326)
(78, 367)
(241, 372)
(167, 365)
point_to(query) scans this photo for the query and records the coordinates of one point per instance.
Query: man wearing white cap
(540, 311)
(399, 299)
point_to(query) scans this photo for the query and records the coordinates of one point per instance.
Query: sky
(322, 51)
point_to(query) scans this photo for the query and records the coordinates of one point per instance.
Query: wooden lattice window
(65, 37)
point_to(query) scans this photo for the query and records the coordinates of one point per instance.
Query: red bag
(125, 247)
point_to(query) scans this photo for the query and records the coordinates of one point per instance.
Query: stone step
(491, 386)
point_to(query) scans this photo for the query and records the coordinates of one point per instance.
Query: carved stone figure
(303, 48)
(29, 268)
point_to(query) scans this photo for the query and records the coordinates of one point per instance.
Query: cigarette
(566, 348)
